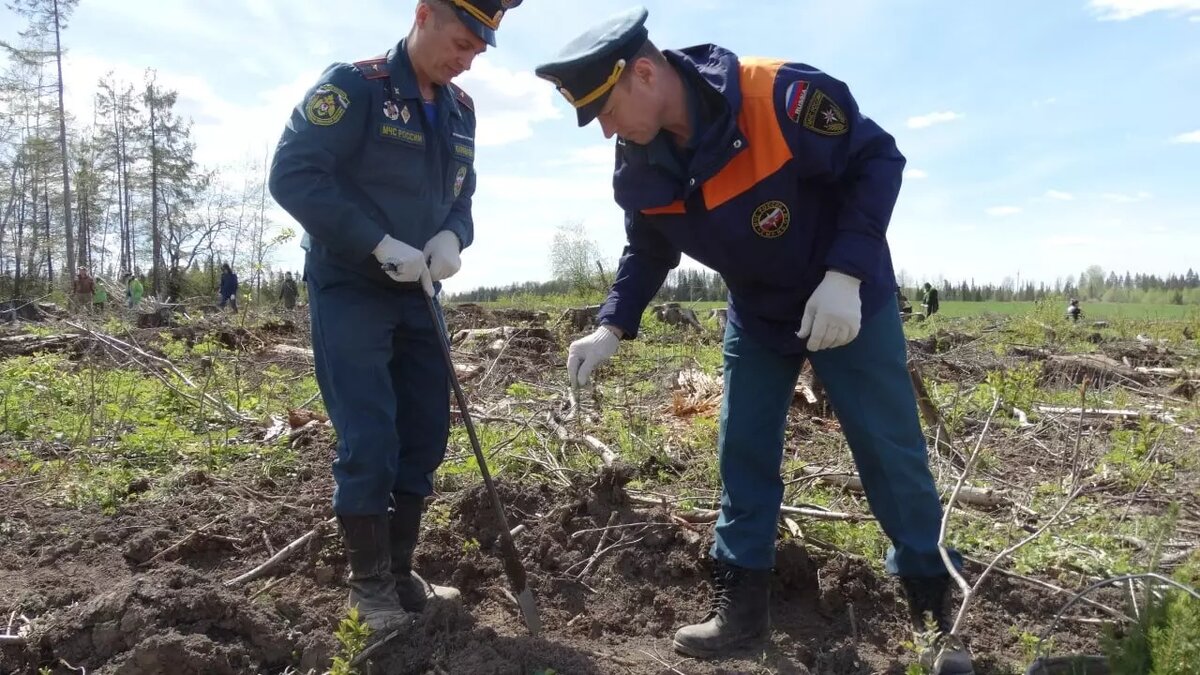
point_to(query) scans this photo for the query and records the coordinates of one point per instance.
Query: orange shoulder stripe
(766, 149)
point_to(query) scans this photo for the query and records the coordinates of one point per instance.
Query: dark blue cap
(586, 70)
(483, 16)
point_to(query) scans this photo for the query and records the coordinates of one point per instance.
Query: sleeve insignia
(824, 116)
(326, 106)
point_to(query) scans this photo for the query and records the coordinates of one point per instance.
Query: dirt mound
(174, 620)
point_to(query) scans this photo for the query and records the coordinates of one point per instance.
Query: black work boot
(739, 619)
(413, 591)
(944, 654)
(372, 588)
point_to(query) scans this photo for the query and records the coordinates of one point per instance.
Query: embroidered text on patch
(464, 151)
(824, 116)
(402, 134)
(797, 94)
(327, 105)
(771, 219)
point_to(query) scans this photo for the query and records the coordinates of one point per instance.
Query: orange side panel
(767, 150)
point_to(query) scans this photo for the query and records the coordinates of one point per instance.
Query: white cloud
(1059, 195)
(916, 174)
(1191, 136)
(1003, 211)
(926, 121)
(1121, 10)
(507, 102)
(1124, 198)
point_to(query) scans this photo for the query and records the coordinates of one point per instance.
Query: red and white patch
(771, 219)
(797, 94)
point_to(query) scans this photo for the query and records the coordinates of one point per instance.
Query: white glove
(403, 263)
(587, 353)
(442, 253)
(833, 314)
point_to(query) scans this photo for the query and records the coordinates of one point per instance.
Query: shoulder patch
(795, 98)
(462, 97)
(373, 69)
(824, 116)
(326, 106)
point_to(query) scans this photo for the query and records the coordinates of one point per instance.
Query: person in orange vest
(767, 172)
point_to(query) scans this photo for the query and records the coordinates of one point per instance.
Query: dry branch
(283, 554)
(606, 454)
(982, 497)
(933, 417)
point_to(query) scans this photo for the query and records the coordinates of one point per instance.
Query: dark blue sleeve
(325, 129)
(460, 221)
(832, 141)
(647, 258)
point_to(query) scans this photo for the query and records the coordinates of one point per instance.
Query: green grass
(1093, 311)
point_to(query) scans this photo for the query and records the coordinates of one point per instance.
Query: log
(1096, 366)
(28, 345)
(1102, 413)
(501, 333)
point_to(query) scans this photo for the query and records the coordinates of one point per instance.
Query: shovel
(512, 562)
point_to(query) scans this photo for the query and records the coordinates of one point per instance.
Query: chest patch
(771, 219)
(393, 132)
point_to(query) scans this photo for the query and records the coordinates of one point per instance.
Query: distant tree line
(113, 187)
(577, 269)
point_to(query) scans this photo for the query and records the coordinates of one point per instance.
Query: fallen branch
(12, 640)
(982, 497)
(699, 516)
(283, 554)
(131, 350)
(183, 541)
(606, 454)
(933, 417)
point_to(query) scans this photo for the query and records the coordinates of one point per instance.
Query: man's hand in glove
(442, 253)
(833, 314)
(403, 263)
(587, 353)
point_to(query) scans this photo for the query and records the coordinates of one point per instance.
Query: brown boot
(372, 588)
(740, 616)
(413, 592)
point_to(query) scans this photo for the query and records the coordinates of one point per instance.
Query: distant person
(902, 300)
(1074, 313)
(930, 300)
(229, 287)
(84, 288)
(288, 292)
(99, 299)
(137, 288)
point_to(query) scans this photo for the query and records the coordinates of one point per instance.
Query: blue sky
(1042, 135)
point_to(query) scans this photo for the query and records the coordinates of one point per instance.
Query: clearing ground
(144, 472)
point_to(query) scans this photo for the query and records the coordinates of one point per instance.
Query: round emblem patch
(771, 219)
(326, 106)
(391, 110)
(459, 179)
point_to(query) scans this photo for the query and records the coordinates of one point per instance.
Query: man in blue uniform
(377, 165)
(766, 172)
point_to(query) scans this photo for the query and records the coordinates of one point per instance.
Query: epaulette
(373, 69)
(462, 97)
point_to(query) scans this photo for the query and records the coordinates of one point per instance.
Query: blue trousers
(870, 390)
(384, 381)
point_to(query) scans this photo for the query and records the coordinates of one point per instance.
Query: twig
(183, 541)
(1051, 587)
(125, 348)
(606, 455)
(282, 555)
(664, 663)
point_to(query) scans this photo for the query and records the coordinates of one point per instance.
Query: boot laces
(723, 582)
